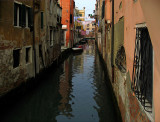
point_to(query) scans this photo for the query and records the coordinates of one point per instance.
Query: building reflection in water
(65, 89)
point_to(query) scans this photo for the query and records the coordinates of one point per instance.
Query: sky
(89, 4)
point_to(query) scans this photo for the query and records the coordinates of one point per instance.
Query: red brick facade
(68, 13)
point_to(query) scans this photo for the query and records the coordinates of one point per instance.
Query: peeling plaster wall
(12, 37)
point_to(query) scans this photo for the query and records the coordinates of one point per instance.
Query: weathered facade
(27, 44)
(126, 42)
(68, 7)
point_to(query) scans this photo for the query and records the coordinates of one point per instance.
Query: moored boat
(77, 50)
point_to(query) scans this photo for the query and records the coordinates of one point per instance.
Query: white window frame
(27, 17)
(18, 14)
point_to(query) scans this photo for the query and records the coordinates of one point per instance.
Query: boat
(77, 49)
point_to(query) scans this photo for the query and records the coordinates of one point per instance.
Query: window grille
(142, 77)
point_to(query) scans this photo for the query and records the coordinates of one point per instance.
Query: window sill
(27, 28)
(17, 26)
(16, 68)
(28, 63)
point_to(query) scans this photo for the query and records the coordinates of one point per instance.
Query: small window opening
(28, 55)
(16, 58)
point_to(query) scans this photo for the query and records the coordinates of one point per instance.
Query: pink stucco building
(129, 46)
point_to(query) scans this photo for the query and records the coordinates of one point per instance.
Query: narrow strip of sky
(88, 4)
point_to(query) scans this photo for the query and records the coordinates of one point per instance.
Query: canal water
(75, 92)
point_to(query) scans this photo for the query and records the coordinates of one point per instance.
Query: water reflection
(76, 91)
(65, 89)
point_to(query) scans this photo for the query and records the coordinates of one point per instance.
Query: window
(51, 37)
(30, 17)
(134, 1)
(120, 5)
(16, 58)
(103, 9)
(87, 28)
(87, 25)
(78, 27)
(142, 76)
(28, 55)
(80, 15)
(41, 20)
(51, 6)
(22, 15)
(17, 14)
(71, 18)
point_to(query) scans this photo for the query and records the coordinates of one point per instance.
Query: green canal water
(75, 92)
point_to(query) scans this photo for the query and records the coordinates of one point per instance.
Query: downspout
(112, 43)
(34, 50)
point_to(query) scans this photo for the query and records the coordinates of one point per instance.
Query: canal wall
(109, 83)
(125, 100)
(10, 97)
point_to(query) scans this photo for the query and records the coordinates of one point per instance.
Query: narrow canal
(75, 92)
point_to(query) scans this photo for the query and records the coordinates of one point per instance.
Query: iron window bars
(142, 77)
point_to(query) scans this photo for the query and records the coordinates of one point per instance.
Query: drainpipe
(34, 50)
(112, 43)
